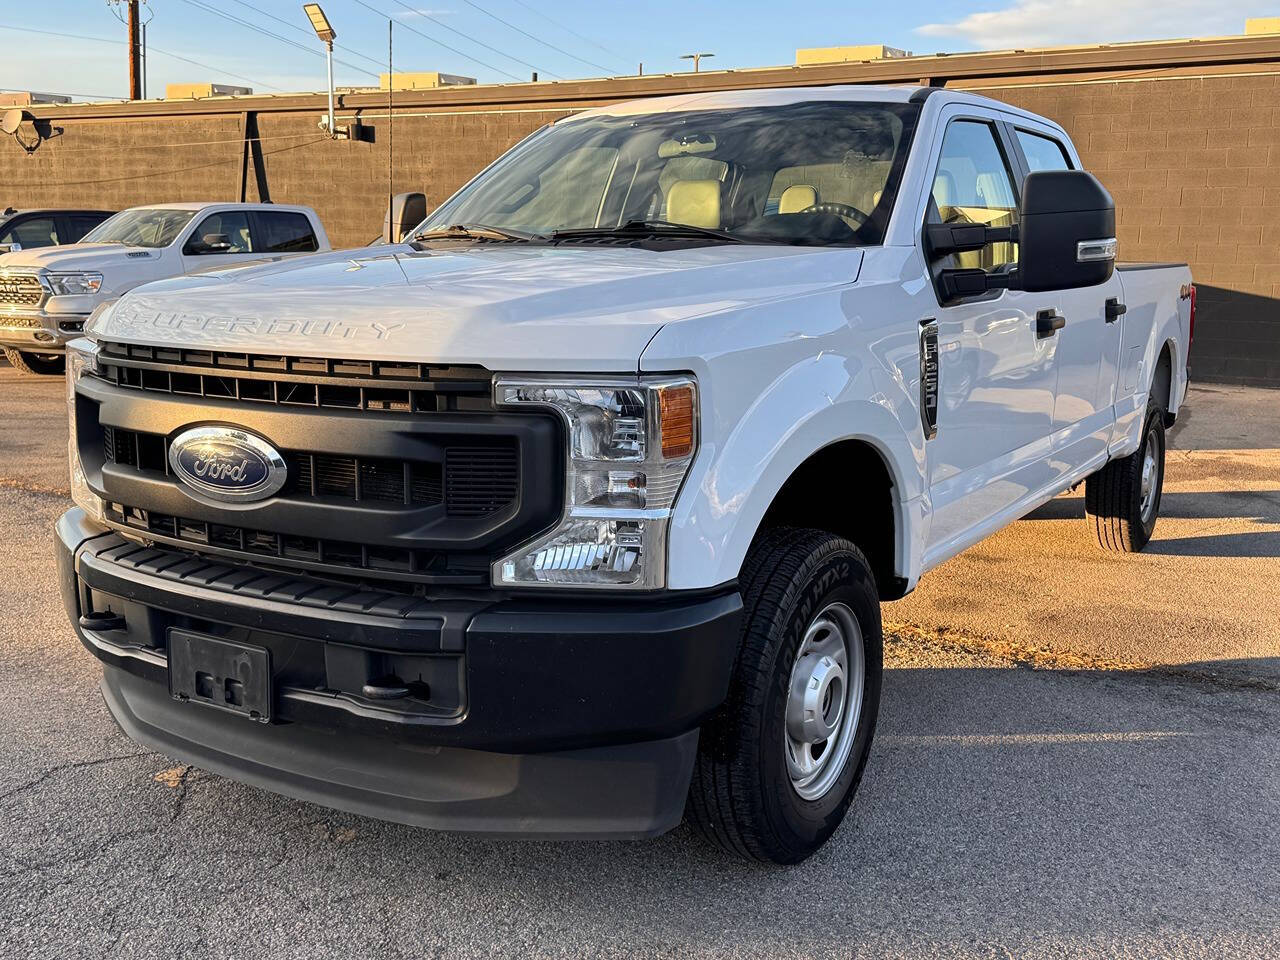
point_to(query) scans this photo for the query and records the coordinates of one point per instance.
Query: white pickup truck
(573, 514)
(46, 294)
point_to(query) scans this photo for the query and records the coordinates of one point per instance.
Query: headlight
(630, 443)
(82, 359)
(72, 284)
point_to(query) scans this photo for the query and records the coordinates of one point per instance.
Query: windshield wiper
(649, 228)
(476, 231)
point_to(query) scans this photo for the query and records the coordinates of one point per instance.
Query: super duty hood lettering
(128, 319)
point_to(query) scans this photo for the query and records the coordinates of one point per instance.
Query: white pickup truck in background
(47, 294)
(574, 513)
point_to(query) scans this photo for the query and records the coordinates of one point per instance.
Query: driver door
(996, 374)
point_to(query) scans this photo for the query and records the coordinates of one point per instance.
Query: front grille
(317, 553)
(20, 290)
(478, 481)
(21, 323)
(411, 477)
(296, 381)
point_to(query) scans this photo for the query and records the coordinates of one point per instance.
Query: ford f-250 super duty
(574, 513)
(47, 294)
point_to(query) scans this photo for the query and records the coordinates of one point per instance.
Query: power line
(275, 36)
(568, 29)
(526, 33)
(441, 43)
(441, 23)
(174, 56)
(66, 93)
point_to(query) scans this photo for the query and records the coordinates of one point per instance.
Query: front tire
(36, 364)
(1122, 500)
(779, 764)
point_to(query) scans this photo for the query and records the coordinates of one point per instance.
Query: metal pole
(391, 118)
(333, 133)
(144, 61)
(135, 74)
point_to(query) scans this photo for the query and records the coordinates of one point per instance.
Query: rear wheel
(36, 364)
(1122, 500)
(779, 764)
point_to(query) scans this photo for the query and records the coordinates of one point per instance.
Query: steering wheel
(839, 209)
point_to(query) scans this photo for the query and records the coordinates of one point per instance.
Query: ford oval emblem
(224, 463)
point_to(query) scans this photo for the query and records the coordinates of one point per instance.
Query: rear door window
(1042, 153)
(283, 232)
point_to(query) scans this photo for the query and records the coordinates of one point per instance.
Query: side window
(218, 233)
(283, 232)
(973, 185)
(1042, 153)
(79, 225)
(36, 232)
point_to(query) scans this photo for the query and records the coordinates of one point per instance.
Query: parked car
(575, 512)
(47, 294)
(29, 229)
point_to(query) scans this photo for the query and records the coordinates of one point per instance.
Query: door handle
(1114, 309)
(1049, 322)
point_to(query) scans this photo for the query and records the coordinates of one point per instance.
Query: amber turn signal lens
(675, 407)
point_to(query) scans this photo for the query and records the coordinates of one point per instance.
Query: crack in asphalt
(62, 767)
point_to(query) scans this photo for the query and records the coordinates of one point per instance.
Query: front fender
(815, 402)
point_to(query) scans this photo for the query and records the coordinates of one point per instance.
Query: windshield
(806, 173)
(140, 228)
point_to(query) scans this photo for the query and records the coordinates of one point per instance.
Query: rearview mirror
(406, 211)
(1066, 231)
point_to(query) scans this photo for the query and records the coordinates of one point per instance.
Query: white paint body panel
(794, 349)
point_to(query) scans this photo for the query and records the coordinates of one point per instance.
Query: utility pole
(135, 46)
(696, 58)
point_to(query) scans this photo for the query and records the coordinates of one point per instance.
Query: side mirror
(1066, 236)
(407, 210)
(1066, 231)
(209, 243)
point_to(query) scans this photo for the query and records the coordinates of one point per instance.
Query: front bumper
(570, 717)
(39, 331)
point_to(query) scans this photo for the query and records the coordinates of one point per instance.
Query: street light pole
(329, 60)
(326, 33)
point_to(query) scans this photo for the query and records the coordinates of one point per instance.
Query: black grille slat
(386, 386)
(380, 480)
(480, 480)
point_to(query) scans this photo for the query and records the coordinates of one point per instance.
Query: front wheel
(36, 364)
(778, 765)
(1122, 500)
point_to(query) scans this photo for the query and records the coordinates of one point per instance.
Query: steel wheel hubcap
(824, 701)
(1150, 474)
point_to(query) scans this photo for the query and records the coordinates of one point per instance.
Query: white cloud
(419, 12)
(1046, 23)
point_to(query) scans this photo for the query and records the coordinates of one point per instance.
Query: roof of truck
(777, 96)
(201, 205)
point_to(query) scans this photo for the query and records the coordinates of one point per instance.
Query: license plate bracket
(230, 676)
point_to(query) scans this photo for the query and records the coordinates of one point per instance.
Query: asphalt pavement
(1077, 756)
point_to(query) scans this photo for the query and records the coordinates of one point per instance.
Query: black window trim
(1015, 129)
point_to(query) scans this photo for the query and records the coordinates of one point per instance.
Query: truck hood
(80, 256)
(585, 308)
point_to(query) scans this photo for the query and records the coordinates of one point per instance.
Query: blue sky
(501, 40)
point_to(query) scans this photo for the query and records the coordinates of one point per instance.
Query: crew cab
(47, 292)
(573, 514)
